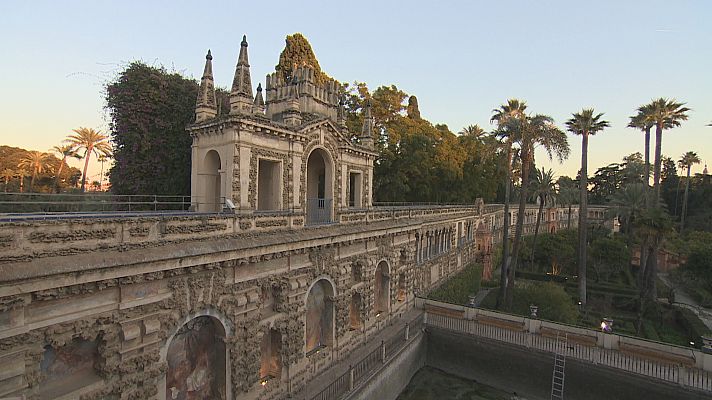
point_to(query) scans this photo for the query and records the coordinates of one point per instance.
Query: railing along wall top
(604, 350)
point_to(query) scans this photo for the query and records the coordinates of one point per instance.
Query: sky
(460, 58)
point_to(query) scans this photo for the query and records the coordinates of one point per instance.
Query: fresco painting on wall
(69, 367)
(319, 316)
(196, 362)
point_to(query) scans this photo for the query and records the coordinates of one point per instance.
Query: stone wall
(144, 296)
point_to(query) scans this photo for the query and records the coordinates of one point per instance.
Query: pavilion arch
(382, 288)
(197, 359)
(209, 183)
(319, 186)
(319, 316)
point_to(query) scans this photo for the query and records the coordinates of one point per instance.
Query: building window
(355, 185)
(269, 177)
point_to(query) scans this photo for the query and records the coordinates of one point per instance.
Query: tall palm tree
(643, 122)
(64, 151)
(531, 131)
(544, 191)
(7, 174)
(665, 114)
(35, 161)
(653, 226)
(102, 159)
(90, 141)
(584, 123)
(513, 110)
(687, 159)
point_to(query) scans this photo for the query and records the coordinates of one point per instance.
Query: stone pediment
(336, 132)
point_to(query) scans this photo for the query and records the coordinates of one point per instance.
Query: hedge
(460, 287)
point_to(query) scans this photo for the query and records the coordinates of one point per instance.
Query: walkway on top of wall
(79, 260)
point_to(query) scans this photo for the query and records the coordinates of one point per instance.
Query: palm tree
(643, 122)
(653, 226)
(665, 114)
(687, 159)
(92, 142)
(21, 174)
(529, 132)
(537, 130)
(102, 159)
(35, 161)
(584, 123)
(7, 174)
(474, 131)
(544, 190)
(514, 109)
(64, 150)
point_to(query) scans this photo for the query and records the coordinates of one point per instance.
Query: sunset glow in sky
(461, 58)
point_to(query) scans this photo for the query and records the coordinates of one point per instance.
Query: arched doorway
(382, 288)
(320, 316)
(319, 187)
(196, 361)
(210, 197)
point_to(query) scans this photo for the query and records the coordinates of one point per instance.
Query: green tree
(64, 151)
(92, 142)
(687, 160)
(544, 191)
(627, 204)
(297, 53)
(149, 110)
(585, 123)
(35, 161)
(608, 256)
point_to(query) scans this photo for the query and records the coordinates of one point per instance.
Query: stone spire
(367, 129)
(258, 106)
(241, 93)
(704, 171)
(413, 110)
(206, 104)
(341, 112)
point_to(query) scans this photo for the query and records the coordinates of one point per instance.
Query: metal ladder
(557, 378)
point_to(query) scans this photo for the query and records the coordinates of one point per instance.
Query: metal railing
(371, 363)
(319, 211)
(45, 203)
(668, 372)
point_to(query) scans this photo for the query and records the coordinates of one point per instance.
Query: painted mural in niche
(196, 361)
(68, 368)
(319, 316)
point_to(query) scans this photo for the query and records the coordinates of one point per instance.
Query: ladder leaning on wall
(557, 378)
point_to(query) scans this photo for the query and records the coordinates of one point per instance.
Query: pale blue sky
(461, 58)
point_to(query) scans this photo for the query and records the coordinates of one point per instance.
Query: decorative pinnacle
(209, 56)
(244, 41)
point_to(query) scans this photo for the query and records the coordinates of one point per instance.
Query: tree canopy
(149, 109)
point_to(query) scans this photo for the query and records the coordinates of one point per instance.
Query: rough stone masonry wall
(130, 286)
